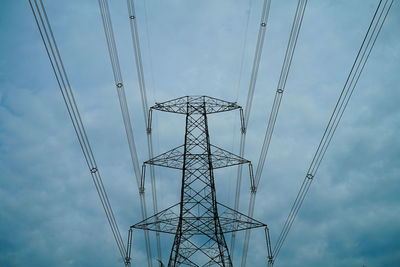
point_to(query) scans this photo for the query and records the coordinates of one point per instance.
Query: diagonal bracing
(198, 222)
(174, 158)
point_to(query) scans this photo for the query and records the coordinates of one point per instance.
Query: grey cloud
(50, 213)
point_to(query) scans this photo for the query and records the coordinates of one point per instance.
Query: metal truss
(174, 158)
(180, 105)
(198, 221)
(168, 220)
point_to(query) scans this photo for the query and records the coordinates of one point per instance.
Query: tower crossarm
(168, 219)
(198, 221)
(173, 158)
(198, 104)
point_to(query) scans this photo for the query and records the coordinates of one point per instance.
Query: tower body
(198, 222)
(199, 234)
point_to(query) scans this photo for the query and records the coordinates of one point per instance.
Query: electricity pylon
(198, 221)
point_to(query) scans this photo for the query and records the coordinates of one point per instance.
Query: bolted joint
(132, 17)
(243, 130)
(119, 85)
(93, 170)
(263, 24)
(310, 176)
(148, 130)
(279, 91)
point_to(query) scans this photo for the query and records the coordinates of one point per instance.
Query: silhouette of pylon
(198, 221)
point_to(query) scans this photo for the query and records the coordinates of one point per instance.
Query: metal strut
(198, 221)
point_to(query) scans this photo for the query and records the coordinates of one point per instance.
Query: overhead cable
(147, 119)
(248, 12)
(112, 50)
(253, 79)
(149, 49)
(57, 65)
(243, 50)
(294, 33)
(368, 43)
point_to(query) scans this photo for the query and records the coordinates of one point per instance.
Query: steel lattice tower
(198, 221)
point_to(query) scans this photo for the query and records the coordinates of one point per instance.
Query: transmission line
(142, 86)
(149, 50)
(294, 33)
(112, 50)
(57, 65)
(368, 43)
(253, 79)
(243, 50)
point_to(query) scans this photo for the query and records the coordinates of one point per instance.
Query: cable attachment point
(253, 189)
(127, 261)
(93, 170)
(263, 24)
(243, 130)
(271, 260)
(148, 130)
(119, 85)
(310, 176)
(132, 17)
(280, 91)
(141, 190)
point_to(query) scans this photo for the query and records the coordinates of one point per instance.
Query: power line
(253, 79)
(147, 119)
(294, 33)
(57, 65)
(149, 51)
(153, 80)
(112, 50)
(244, 45)
(243, 50)
(368, 43)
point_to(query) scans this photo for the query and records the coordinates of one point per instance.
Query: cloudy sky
(50, 214)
